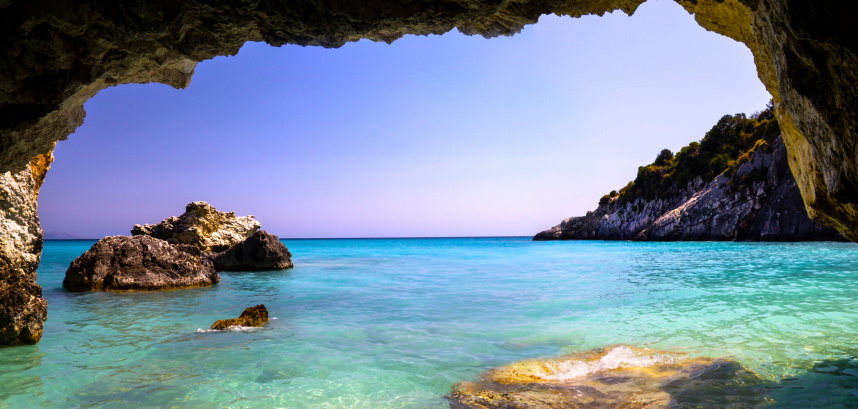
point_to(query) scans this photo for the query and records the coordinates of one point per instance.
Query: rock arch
(59, 53)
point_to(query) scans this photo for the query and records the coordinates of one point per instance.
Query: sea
(394, 323)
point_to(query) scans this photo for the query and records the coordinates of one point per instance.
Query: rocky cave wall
(23, 310)
(59, 53)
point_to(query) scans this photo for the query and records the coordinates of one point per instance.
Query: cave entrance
(440, 136)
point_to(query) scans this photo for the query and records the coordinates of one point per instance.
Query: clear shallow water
(394, 323)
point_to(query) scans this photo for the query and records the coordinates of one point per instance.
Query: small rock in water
(614, 377)
(251, 317)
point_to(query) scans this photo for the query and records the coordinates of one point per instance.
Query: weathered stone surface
(23, 310)
(261, 251)
(617, 377)
(757, 201)
(203, 226)
(807, 57)
(251, 317)
(138, 263)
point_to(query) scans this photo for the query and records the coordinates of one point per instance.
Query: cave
(58, 54)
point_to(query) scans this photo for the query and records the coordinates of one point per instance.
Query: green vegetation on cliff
(727, 144)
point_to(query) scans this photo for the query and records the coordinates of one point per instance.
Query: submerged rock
(138, 263)
(203, 226)
(251, 317)
(614, 377)
(261, 251)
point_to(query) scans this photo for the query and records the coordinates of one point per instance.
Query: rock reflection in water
(614, 377)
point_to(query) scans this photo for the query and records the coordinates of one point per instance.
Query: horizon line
(346, 238)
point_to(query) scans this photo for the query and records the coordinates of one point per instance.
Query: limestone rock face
(261, 251)
(203, 226)
(23, 310)
(251, 317)
(138, 263)
(807, 57)
(757, 201)
(614, 377)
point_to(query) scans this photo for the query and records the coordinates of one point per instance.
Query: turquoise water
(394, 323)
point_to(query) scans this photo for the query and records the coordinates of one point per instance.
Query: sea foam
(617, 357)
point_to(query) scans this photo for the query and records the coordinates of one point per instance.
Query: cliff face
(23, 310)
(756, 200)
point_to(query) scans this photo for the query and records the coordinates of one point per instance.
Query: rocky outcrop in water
(614, 377)
(261, 251)
(177, 253)
(202, 226)
(757, 200)
(138, 263)
(251, 317)
(23, 310)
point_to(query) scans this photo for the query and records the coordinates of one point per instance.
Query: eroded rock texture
(250, 317)
(614, 377)
(202, 226)
(118, 263)
(758, 200)
(23, 310)
(807, 57)
(261, 251)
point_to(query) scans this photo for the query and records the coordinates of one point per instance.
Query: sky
(445, 136)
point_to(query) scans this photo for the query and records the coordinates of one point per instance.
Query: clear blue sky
(429, 136)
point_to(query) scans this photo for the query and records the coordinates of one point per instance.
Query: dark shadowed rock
(251, 317)
(203, 226)
(261, 251)
(138, 263)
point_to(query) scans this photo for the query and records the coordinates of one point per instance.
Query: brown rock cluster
(176, 253)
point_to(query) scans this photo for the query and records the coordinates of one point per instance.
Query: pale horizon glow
(429, 136)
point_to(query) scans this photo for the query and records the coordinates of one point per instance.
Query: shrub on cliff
(722, 148)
